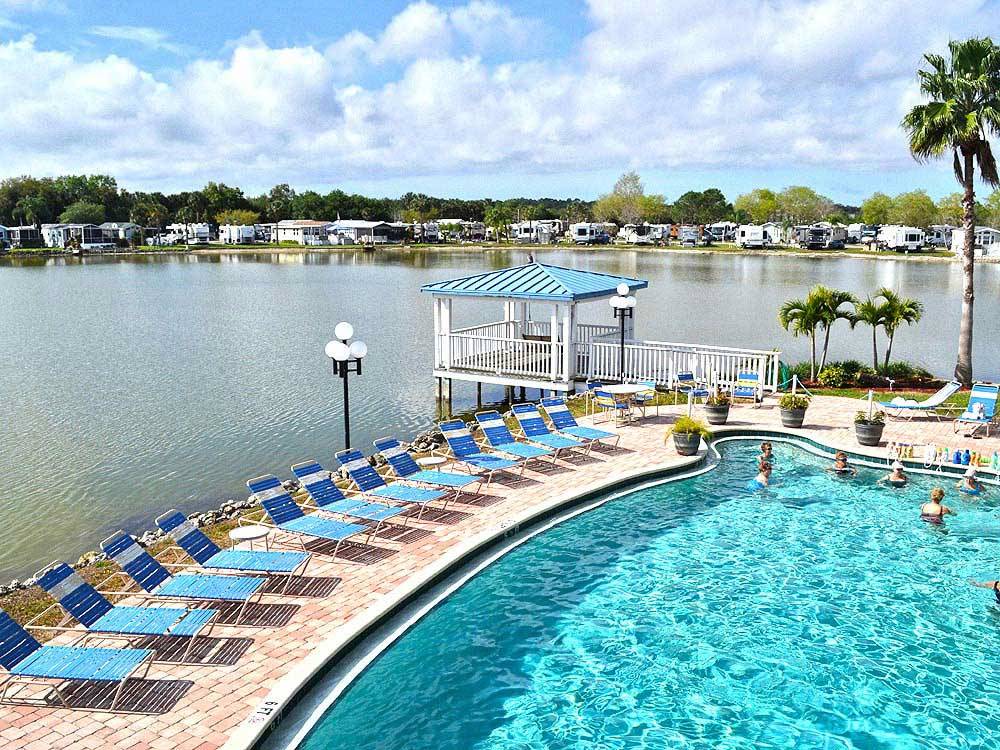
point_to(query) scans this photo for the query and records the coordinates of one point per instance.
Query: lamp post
(346, 358)
(623, 305)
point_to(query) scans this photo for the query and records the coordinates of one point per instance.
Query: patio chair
(405, 468)
(210, 556)
(981, 410)
(536, 431)
(500, 438)
(686, 383)
(137, 564)
(563, 421)
(612, 408)
(647, 396)
(592, 385)
(326, 497)
(288, 518)
(465, 450)
(28, 662)
(746, 388)
(907, 408)
(98, 616)
(370, 482)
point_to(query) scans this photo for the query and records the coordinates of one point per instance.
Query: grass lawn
(958, 401)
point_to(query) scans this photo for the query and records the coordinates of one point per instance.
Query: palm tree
(897, 311)
(831, 304)
(802, 318)
(871, 313)
(962, 112)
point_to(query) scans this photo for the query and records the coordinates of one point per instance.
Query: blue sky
(476, 98)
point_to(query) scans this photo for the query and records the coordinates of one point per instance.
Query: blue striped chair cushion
(523, 450)
(324, 528)
(75, 595)
(135, 561)
(253, 561)
(15, 642)
(79, 663)
(188, 536)
(153, 621)
(318, 484)
(408, 494)
(556, 441)
(559, 413)
(281, 510)
(494, 428)
(223, 588)
(397, 456)
(444, 478)
(459, 438)
(360, 470)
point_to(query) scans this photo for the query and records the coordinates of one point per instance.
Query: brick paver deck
(210, 706)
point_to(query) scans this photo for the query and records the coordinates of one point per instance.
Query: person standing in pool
(840, 465)
(934, 511)
(766, 455)
(896, 477)
(763, 478)
(970, 484)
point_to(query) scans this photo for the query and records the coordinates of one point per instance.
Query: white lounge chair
(907, 408)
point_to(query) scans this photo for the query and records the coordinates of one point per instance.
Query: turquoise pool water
(820, 614)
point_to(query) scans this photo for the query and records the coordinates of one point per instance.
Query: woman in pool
(934, 511)
(766, 455)
(995, 585)
(896, 477)
(763, 478)
(970, 484)
(840, 465)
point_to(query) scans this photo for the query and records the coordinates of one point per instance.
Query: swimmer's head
(937, 495)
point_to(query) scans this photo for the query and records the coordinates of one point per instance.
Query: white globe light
(338, 350)
(358, 349)
(630, 301)
(343, 331)
(623, 289)
(614, 302)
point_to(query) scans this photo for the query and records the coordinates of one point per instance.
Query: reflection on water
(157, 380)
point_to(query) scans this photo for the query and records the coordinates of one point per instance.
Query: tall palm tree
(831, 303)
(871, 313)
(897, 310)
(962, 111)
(802, 318)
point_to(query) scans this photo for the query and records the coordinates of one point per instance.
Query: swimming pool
(696, 614)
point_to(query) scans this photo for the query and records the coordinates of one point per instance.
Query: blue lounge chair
(370, 482)
(906, 408)
(210, 556)
(981, 410)
(327, 497)
(30, 663)
(500, 438)
(563, 421)
(465, 449)
(686, 383)
(536, 431)
(747, 388)
(99, 616)
(405, 468)
(619, 411)
(157, 581)
(289, 518)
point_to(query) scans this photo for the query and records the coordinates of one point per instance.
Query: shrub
(801, 369)
(789, 401)
(902, 370)
(834, 376)
(877, 417)
(718, 399)
(689, 426)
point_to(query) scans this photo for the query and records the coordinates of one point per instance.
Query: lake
(129, 385)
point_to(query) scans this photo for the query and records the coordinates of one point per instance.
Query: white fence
(518, 357)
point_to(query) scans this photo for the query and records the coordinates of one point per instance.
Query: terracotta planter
(687, 444)
(792, 417)
(868, 434)
(716, 414)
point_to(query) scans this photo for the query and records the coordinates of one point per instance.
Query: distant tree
(876, 209)
(609, 207)
(962, 112)
(31, 209)
(913, 209)
(872, 313)
(237, 216)
(278, 203)
(498, 218)
(949, 209)
(802, 318)
(654, 209)
(991, 209)
(897, 311)
(219, 197)
(82, 212)
(803, 205)
(831, 302)
(760, 205)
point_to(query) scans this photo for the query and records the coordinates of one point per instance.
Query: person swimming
(896, 477)
(995, 585)
(763, 478)
(970, 484)
(840, 465)
(766, 454)
(934, 511)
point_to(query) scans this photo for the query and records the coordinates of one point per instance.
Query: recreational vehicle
(689, 235)
(758, 235)
(635, 234)
(191, 234)
(854, 233)
(588, 233)
(900, 239)
(939, 235)
(237, 234)
(121, 232)
(723, 231)
(531, 232)
(986, 241)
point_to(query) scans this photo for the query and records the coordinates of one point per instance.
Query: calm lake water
(131, 385)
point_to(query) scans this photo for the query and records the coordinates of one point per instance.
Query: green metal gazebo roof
(535, 281)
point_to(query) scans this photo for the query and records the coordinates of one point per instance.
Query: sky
(476, 98)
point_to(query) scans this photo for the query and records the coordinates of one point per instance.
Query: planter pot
(868, 434)
(687, 444)
(716, 414)
(792, 417)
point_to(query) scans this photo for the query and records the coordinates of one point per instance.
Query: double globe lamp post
(624, 306)
(346, 357)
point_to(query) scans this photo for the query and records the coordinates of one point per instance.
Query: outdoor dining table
(625, 392)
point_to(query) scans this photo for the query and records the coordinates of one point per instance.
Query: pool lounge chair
(746, 388)
(370, 482)
(288, 518)
(981, 410)
(99, 617)
(906, 408)
(210, 556)
(500, 438)
(405, 468)
(563, 421)
(137, 564)
(465, 450)
(612, 408)
(536, 431)
(327, 498)
(30, 663)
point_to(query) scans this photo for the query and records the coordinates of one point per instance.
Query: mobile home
(939, 235)
(635, 234)
(723, 231)
(26, 236)
(986, 241)
(79, 236)
(900, 239)
(198, 233)
(121, 231)
(237, 234)
(588, 233)
(758, 235)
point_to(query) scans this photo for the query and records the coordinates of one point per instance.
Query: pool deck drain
(230, 706)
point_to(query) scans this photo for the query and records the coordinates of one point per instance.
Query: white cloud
(142, 35)
(655, 84)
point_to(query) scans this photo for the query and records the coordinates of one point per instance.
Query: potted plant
(687, 434)
(717, 408)
(868, 427)
(793, 409)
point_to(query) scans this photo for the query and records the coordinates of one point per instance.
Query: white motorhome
(635, 234)
(723, 231)
(986, 241)
(939, 235)
(900, 239)
(237, 234)
(854, 233)
(756, 235)
(428, 231)
(540, 232)
(192, 234)
(588, 233)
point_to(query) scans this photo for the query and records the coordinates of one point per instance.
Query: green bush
(718, 399)
(903, 370)
(834, 376)
(689, 426)
(877, 417)
(788, 401)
